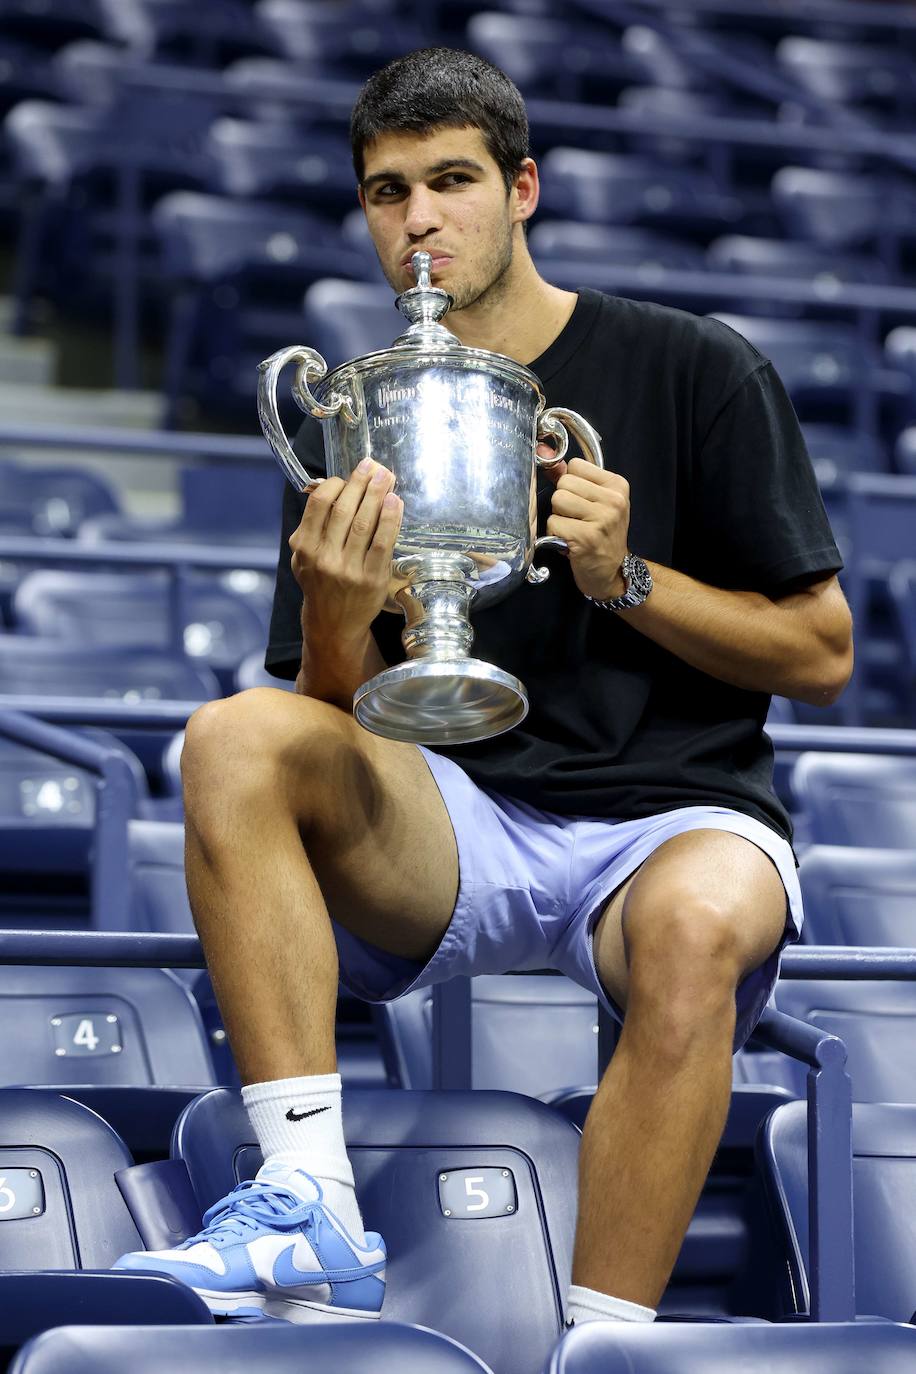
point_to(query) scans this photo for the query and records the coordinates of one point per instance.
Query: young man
(626, 833)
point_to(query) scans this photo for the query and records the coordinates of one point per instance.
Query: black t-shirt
(721, 488)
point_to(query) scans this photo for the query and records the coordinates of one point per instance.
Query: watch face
(640, 577)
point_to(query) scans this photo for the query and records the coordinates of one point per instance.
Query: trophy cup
(458, 427)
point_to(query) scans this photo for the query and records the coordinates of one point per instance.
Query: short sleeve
(284, 644)
(757, 518)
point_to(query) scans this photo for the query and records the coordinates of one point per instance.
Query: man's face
(443, 192)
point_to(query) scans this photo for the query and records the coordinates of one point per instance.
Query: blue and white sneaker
(272, 1247)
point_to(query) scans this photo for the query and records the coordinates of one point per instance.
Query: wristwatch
(638, 581)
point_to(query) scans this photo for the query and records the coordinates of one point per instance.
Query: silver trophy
(458, 428)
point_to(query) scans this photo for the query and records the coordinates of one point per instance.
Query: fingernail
(391, 500)
(365, 466)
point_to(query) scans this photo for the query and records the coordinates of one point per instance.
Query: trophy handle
(312, 367)
(558, 423)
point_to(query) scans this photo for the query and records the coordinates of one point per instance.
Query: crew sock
(588, 1305)
(299, 1124)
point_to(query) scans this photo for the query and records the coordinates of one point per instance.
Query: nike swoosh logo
(292, 1116)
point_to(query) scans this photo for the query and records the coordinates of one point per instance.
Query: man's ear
(361, 196)
(526, 191)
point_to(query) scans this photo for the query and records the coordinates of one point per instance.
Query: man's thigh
(695, 869)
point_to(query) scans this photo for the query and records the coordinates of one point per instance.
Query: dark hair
(443, 88)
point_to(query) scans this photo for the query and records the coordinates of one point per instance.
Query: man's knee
(684, 967)
(241, 745)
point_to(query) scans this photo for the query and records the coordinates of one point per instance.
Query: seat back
(531, 1034)
(102, 1026)
(858, 799)
(474, 1193)
(60, 1206)
(884, 1202)
(278, 1349)
(344, 319)
(824, 1348)
(33, 667)
(856, 896)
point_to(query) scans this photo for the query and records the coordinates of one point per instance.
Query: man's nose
(423, 215)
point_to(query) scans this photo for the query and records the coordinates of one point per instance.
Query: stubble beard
(491, 282)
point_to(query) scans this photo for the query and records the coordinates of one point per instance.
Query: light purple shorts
(533, 885)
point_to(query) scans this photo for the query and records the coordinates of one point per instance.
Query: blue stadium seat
(836, 451)
(252, 673)
(594, 66)
(71, 1214)
(332, 1347)
(817, 1348)
(857, 896)
(876, 1022)
(825, 269)
(417, 1158)
(643, 249)
(877, 79)
(351, 39)
(313, 170)
(616, 188)
(900, 347)
(49, 26)
(905, 452)
(34, 668)
(57, 499)
(135, 610)
(207, 33)
(858, 799)
(884, 1197)
(532, 1034)
(344, 319)
(847, 210)
(129, 1027)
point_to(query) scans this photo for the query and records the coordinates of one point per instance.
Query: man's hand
(591, 511)
(342, 551)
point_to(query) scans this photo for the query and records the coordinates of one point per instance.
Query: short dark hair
(443, 88)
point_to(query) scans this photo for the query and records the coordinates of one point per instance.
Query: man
(626, 833)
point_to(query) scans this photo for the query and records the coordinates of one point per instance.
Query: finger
(348, 502)
(380, 550)
(574, 506)
(317, 509)
(564, 528)
(555, 472)
(598, 494)
(580, 467)
(365, 518)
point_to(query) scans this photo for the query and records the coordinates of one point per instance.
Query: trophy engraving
(458, 427)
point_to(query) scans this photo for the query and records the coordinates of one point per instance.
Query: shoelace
(252, 1205)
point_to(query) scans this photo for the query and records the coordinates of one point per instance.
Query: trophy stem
(440, 695)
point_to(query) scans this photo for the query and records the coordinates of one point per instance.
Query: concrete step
(27, 362)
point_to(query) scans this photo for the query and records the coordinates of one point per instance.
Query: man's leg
(673, 943)
(292, 811)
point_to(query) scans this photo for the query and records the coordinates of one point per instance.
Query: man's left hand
(591, 511)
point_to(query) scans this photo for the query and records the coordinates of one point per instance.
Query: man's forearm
(333, 669)
(796, 646)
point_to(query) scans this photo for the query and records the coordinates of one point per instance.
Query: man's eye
(388, 191)
(454, 179)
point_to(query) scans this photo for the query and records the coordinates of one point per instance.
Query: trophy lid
(424, 305)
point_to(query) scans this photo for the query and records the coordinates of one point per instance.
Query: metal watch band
(634, 571)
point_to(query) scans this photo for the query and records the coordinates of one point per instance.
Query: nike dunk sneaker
(272, 1247)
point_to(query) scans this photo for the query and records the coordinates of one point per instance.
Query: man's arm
(332, 671)
(797, 645)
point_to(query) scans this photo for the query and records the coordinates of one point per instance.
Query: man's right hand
(342, 551)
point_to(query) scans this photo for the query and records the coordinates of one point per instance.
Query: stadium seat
(614, 188)
(905, 452)
(313, 170)
(208, 33)
(344, 319)
(836, 451)
(858, 799)
(877, 79)
(109, 1027)
(474, 1193)
(34, 668)
(858, 896)
(902, 587)
(847, 210)
(876, 1022)
(332, 1347)
(56, 499)
(532, 1034)
(347, 40)
(816, 1348)
(137, 610)
(825, 270)
(884, 1197)
(594, 65)
(643, 249)
(252, 673)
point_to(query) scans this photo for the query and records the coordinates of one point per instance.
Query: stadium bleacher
(177, 202)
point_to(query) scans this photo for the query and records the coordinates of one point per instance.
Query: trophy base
(452, 701)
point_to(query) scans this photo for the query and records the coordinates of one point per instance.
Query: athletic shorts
(533, 885)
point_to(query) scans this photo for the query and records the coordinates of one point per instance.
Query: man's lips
(439, 259)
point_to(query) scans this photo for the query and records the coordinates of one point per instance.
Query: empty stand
(858, 799)
(859, 896)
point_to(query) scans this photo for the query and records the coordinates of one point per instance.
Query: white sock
(588, 1305)
(298, 1122)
